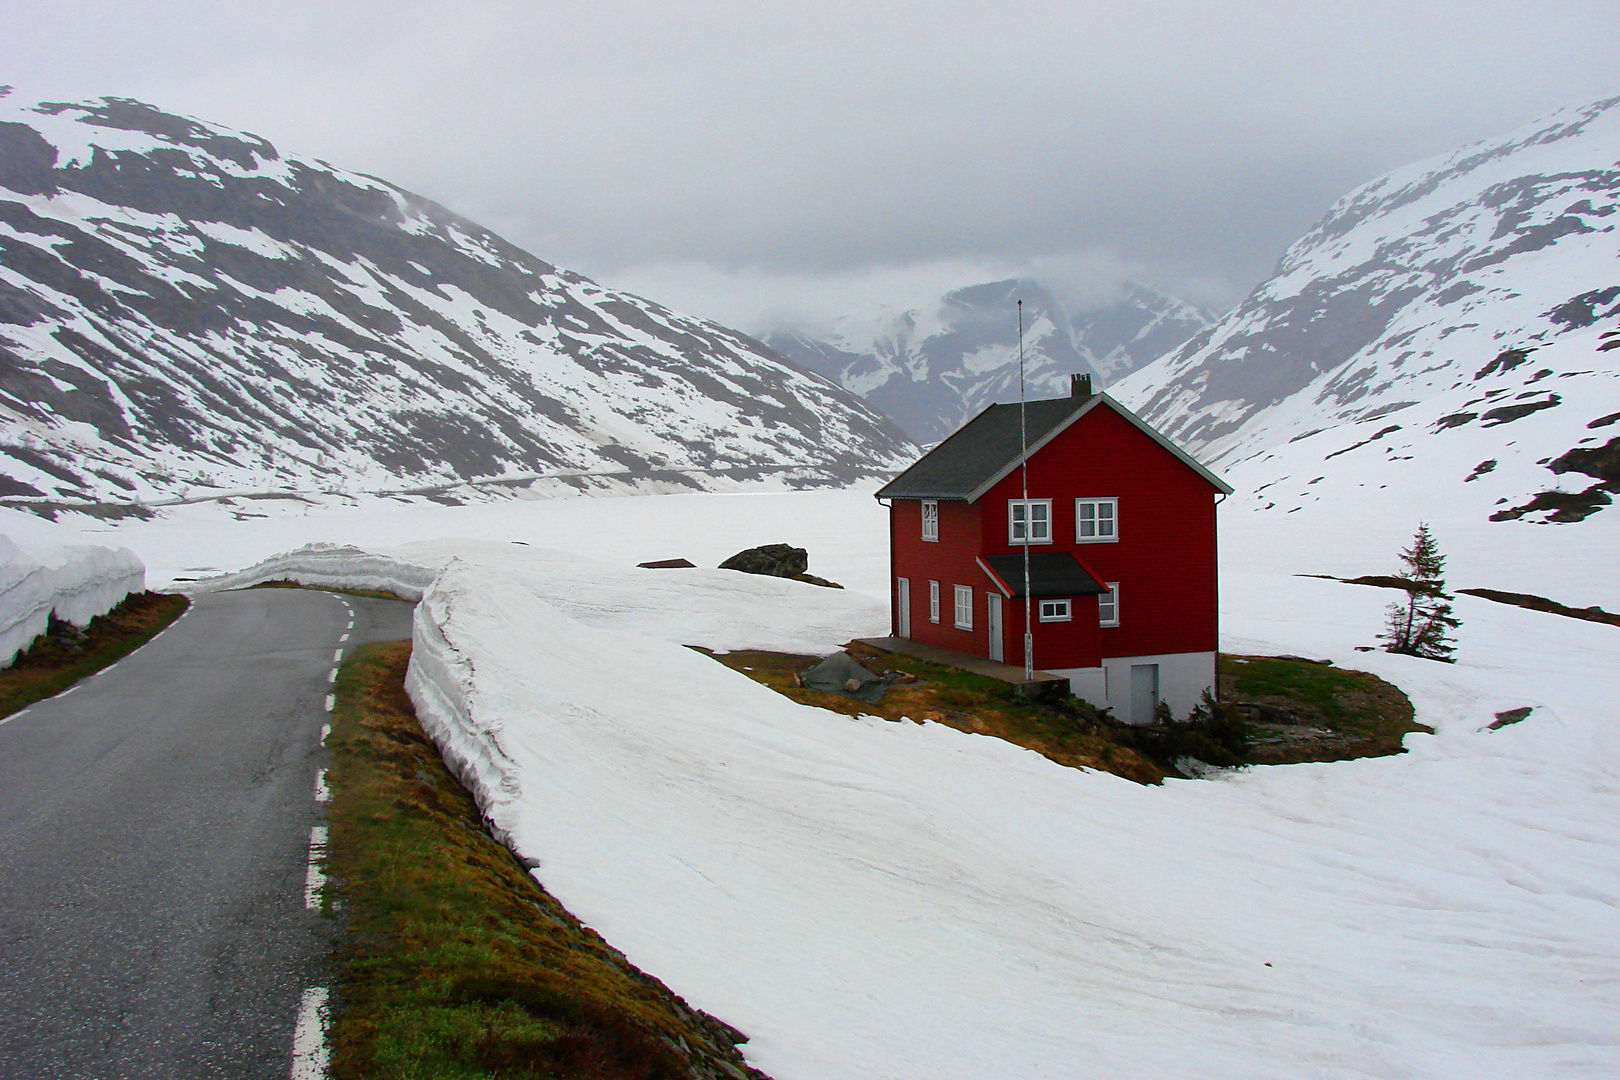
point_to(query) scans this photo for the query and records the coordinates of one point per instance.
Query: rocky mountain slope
(1450, 331)
(185, 310)
(931, 369)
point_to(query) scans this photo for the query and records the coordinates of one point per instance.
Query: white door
(902, 601)
(1144, 692)
(997, 653)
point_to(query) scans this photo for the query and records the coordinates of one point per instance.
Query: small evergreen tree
(1422, 625)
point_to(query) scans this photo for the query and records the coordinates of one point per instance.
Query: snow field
(892, 900)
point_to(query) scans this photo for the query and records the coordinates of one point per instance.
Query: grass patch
(455, 963)
(374, 594)
(1077, 736)
(1301, 711)
(64, 654)
(1271, 711)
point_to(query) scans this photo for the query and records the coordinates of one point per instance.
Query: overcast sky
(744, 161)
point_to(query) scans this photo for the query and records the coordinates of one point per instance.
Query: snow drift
(75, 582)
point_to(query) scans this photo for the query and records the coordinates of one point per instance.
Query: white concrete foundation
(1182, 680)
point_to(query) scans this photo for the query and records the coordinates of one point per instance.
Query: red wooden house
(1120, 527)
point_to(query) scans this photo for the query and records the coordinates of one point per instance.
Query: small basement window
(1096, 521)
(1056, 611)
(930, 521)
(1029, 521)
(964, 607)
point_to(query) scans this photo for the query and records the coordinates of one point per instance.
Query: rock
(770, 560)
(1510, 716)
(667, 564)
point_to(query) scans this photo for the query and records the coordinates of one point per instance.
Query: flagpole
(1023, 453)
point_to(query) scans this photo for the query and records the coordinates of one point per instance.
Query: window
(1031, 518)
(1096, 521)
(933, 601)
(1055, 611)
(930, 521)
(964, 607)
(1108, 606)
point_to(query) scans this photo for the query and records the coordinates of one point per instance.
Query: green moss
(1325, 688)
(1302, 711)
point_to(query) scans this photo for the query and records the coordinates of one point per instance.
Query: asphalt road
(154, 838)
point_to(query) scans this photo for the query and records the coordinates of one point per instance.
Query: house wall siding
(1165, 559)
(1076, 643)
(950, 561)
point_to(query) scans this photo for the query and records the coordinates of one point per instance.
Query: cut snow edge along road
(154, 848)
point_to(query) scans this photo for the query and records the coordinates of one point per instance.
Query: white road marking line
(315, 875)
(331, 700)
(331, 676)
(310, 1053)
(18, 715)
(337, 657)
(345, 636)
(326, 729)
(322, 792)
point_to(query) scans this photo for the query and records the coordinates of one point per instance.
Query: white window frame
(963, 613)
(933, 601)
(1060, 610)
(1014, 505)
(930, 521)
(1108, 603)
(1098, 519)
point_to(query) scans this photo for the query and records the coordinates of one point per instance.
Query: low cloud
(739, 159)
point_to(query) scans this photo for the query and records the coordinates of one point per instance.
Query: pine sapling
(1422, 625)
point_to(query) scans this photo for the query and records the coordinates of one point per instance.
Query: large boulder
(771, 560)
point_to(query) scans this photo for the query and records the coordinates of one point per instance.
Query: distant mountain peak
(931, 369)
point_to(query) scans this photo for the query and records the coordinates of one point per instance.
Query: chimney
(1080, 386)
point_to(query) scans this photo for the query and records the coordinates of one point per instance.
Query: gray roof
(986, 448)
(1051, 573)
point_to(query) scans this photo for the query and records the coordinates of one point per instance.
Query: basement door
(997, 652)
(1144, 692)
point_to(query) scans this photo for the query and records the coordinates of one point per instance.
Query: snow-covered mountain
(932, 368)
(186, 310)
(1450, 331)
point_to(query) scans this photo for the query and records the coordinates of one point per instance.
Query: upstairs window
(1108, 606)
(933, 601)
(964, 607)
(1056, 611)
(930, 521)
(1029, 521)
(1096, 521)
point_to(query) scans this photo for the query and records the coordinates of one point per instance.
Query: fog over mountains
(933, 367)
(185, 310)
(1450, 331)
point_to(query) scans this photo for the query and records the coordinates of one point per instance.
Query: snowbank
(75, 581)
(339, 566)
(649, 615)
